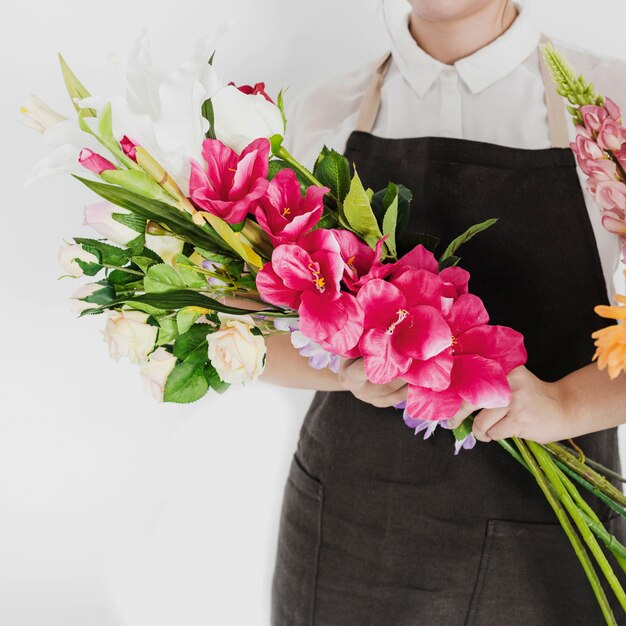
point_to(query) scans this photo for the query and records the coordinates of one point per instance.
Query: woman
(380, 527)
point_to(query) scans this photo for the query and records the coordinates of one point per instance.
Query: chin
(449, 10)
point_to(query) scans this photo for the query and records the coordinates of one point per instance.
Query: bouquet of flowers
(212, 236)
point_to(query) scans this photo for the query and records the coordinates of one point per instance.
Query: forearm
(284, 366)
(592, 400)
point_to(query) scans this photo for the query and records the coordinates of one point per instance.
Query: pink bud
(129, 147)
(612, 109)
(250, 90)
(94, 162)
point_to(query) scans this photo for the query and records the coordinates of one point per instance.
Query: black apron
(382, 528)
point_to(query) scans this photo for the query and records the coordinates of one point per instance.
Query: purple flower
(429, 427)
(319, 358)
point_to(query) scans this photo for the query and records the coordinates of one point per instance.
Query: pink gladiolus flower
(284, 214)
(482, 357)
(361, 262)
(94, 162)
(402, 322)
(249, 90)
(306, 276)
(232, 184)
(129, 147)
(611, 135)
(611, 195)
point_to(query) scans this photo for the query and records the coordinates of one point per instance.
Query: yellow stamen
(401, 313)
(318, 279)
(286, 211)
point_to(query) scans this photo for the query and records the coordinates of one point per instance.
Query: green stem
(579, 548)
(123, 269)
(591, 519)
(586, 472)
(597, 466)
(283, 154)
(552, 472)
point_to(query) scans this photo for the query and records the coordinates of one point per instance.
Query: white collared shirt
(495, 95)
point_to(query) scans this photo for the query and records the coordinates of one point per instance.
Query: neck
(451, 40)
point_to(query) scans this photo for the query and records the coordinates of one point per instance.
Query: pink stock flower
(306, 276)
(284, 214)
(94, 162)
(611, 135)
(129, 147)
(615, 224)
(620, 155)
(250, 90)
(586, 148)
(611, 195)
(593, 116)
(613, 110)
(402, 323)
(482, 357)
(599, 170)
(232, 184)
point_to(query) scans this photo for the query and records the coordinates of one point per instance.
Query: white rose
(77, 304)
(100, 217)
(155, 370)
(242, 118)
(67, 255)
(127, 334)
(236, 353)
(166, 246)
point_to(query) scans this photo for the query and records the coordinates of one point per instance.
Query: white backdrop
(114, 510)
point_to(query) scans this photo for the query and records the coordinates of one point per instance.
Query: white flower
(237, 354)
(100, 217)
(77, 304)
(67, 255)
(127, 334)
(39, 116)
(242, 118)
(155, 370)
(166, 246)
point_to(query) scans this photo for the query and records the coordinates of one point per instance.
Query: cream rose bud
(165, 246)
(77, 304)
(100, 217)
(155, 370)
(67, 255)
(241, 118)
(128, 334)
(237, 354)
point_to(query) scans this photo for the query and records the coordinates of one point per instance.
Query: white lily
(39, 116)
(161, 111)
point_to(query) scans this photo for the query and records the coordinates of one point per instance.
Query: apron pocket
(529, 574)
(299, 538)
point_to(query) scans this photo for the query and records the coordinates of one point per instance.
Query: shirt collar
(478, 70)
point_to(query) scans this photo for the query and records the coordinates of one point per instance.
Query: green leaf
(186, 383)
(280, 103)
(143, 262)
(214, 256)
(193, 345)
(89, 269)
(186, 318)
(162, 278)
(168, 330)
(140, 306)
(389, 226)
(120, 277)
(138, 182)
(136, 246)
(176, 220)
(102, 296)
(191, 277)
(105, 252)
(208, 114)
(174, 300)
(449, 262)
(464, 428)
(213, 378)
(75, 89)
(358, 212)
(134, 222)
(466, 236)
(333, 171)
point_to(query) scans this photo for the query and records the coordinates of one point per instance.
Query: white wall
(113, 510)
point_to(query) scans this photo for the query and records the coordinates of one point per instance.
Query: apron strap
(557, 119)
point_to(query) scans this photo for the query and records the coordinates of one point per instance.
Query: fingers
(464, 411)
(507, 427)
(485, 422)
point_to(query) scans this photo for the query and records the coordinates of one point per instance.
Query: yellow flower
(610, 342)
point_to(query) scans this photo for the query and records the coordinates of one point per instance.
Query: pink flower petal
(380, 301)
(423, 334)
(295, 267)
(468, 311)
(421, 259)
(426, 404)
(456, 281)
(432, 373)
(419, 287)
(382, 363)
(497, 343)
(480, 381)
(273, 289)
